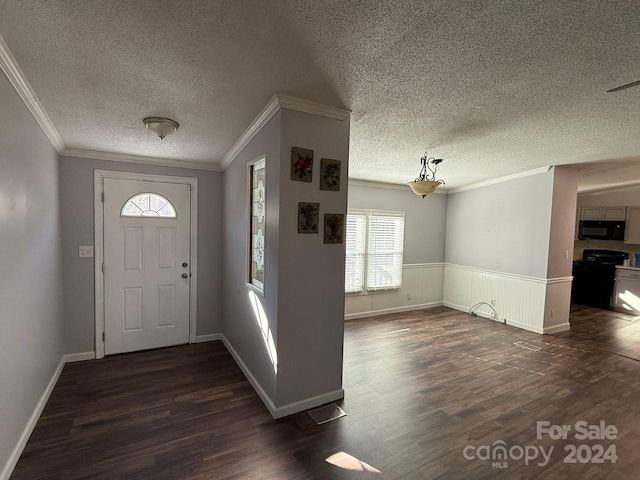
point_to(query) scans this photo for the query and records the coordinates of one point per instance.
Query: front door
(146, 269)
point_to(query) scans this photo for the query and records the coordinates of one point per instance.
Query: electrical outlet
(493, 303)
(408, 295)
(85, 251)
(551, 313)
(566, 254)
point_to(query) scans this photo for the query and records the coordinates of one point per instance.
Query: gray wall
(424, 219)
(31, 324)
(76, 197)
(311, 273)
(503, 227)
(563, 216)
(240, 326)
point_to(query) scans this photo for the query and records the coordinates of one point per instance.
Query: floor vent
(326, 413)
(527, 346)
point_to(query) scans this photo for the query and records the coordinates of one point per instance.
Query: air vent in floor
(326, 413)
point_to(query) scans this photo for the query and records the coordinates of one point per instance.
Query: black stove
(593, 277)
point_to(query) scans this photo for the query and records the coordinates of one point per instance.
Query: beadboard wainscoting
(535, 304)
(422, 282)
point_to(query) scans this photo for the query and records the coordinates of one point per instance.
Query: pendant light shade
(161, 126)
(426, 182)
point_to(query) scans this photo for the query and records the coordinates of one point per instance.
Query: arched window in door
(148, 205)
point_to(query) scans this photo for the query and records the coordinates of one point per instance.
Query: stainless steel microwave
(601, 230)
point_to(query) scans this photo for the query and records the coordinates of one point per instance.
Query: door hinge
(102, 196)
(102, 267)
(189, 186)
(103, 336)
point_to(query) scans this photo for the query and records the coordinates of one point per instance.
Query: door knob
(185, 275)
(185, 264)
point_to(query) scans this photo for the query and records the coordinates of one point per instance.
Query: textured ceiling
(493, 87)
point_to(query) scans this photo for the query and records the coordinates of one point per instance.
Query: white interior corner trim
(277, 102)
(26, 433)
(79, 357)
(121, 157)
(252, 380)
(208, 338)
(18, 80)
(314, 108)
(357, 182)
(506, 178)
(308, 403)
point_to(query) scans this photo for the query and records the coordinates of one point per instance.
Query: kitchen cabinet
(632, 228)
(626, 292)
(603, 213)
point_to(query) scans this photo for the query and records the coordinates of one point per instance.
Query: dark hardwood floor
(420, 387)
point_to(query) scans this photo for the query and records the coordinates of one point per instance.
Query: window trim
(367, 213)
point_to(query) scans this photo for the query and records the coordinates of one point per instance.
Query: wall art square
(330, 174)
(301, 164)
(308, 217)
(333, 228)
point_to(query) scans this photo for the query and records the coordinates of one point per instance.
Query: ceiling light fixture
(426, 182)
(161, 126)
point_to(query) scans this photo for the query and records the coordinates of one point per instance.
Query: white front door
(146, 264)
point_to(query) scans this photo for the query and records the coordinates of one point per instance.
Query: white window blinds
(384, 253)
(355, 243)
(374, 246)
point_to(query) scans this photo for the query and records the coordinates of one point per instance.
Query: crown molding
(277, 102)
(18, 80)
(313, 108)
(388, 186)
(121, 157)
(506, 178)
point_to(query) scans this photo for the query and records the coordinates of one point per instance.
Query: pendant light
(426, 182)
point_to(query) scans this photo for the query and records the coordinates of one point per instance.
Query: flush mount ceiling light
(161, 126)
(426, 182)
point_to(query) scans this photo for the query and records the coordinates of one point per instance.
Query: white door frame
(98, 215)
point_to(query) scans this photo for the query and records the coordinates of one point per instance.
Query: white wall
(76, 199)
(31, 323)
(626, 197)
(423, 256)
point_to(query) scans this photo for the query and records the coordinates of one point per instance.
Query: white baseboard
(79, 357)
(307, 403)
(407, 308)
(252, 380)
(558, 328)
(208, 338)
(285, 410)
(506, 321)
(26, 433)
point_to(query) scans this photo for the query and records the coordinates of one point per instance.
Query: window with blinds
(355, 243)
(374, 242)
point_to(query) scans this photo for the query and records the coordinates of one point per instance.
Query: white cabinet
(632, 228)
(626, 292)
(603, 213)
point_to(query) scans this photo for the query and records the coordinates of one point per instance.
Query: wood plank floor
(420, 387)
